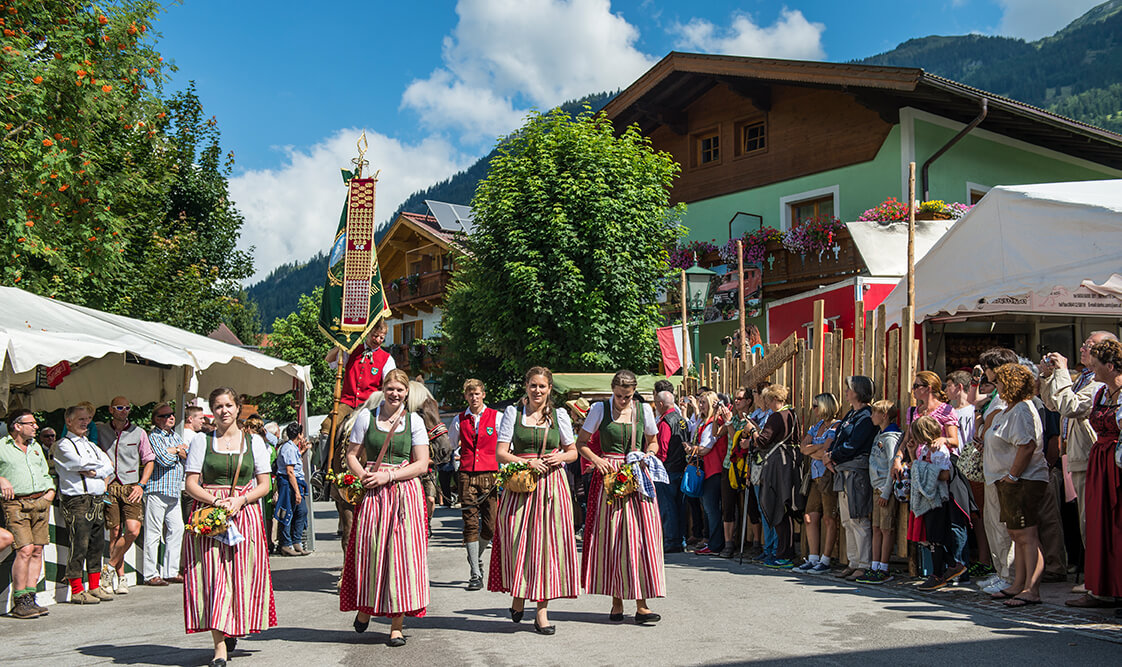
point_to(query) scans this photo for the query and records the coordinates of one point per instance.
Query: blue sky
(435, 82)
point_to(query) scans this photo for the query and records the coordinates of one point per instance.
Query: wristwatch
(143, 485)
(1012, 477)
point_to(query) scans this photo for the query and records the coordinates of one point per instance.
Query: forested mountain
(278, 293)
(1077, 72)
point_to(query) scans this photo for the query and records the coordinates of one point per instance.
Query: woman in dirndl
(228, 589)
(623, 538)
(534, 552)
(386, 571)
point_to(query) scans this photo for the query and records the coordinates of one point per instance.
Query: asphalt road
(717, 612)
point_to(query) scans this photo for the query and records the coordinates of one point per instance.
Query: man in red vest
(476, 432)
(363, 371)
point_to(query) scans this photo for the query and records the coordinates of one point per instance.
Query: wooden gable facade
(415, 258)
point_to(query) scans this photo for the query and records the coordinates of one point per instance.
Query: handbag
(526, 481)
(198, 517)
(632, 484)
(692, 479)
(970, 463)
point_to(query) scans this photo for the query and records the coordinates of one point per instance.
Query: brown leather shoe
(845, 573)
(1089, 601)
(155, 581)
(177, 579)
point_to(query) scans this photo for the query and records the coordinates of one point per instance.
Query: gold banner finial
(360, 161)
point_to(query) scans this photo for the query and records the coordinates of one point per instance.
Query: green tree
(78, 103)
(110, 195)
(297, 339)
(243, 318)
(567, 256)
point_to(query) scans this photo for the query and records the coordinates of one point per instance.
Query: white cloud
(507, 53)
(791, 36)
(1033, 19)
(293, 212)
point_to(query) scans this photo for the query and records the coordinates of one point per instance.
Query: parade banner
(353, 297)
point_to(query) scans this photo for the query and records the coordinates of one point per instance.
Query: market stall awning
(884, 246)
(111, 355)
(600, 384)
(1031, 246)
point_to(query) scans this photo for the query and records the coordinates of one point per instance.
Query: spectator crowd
(1003, 477)
(109, 479)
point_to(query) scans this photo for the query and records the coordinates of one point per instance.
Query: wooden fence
(888, 356)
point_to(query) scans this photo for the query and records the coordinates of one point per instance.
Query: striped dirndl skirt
(534, 550)
(622, 554)
(386, 570)
(226, 588)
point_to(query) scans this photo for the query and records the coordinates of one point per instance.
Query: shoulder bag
(199, 516)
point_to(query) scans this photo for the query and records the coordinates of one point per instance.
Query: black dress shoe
(360, 626)
(647, 618)
(396, 641)
(615, 618)
(231, 643)
(516, 615)
(218, 662)
(544, 629)
(475, 583)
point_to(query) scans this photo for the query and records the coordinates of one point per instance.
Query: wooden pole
(819, 345)
(740, 291)
(335, 410)
(685, 331)
(907, 326)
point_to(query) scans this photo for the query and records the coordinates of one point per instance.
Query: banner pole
(335, 410)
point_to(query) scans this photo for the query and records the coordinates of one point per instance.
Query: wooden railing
(426, 286)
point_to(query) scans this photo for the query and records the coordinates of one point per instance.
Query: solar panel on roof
(451, 217)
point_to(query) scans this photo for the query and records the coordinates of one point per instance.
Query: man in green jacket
(26, 493)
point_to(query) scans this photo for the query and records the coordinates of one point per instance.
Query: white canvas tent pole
(310, 531)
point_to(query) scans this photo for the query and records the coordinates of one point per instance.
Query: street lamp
(697, 295)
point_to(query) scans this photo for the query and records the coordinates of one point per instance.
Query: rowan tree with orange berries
(101, 175)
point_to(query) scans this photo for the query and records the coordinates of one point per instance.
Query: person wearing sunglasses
(162, 514)
(128, 448)
(26, 493)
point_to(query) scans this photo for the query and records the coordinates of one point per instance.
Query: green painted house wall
(979, 158)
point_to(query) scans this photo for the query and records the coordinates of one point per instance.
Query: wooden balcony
(425, 293)
(787, 273)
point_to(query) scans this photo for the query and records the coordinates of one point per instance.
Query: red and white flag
(670, 344)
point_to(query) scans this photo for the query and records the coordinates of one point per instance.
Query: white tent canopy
(1019, 240)
(114, 355)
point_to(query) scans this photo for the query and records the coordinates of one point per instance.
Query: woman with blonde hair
(386, 572)
(822, 500)
(534, 552)
(711, 447)
(624, 546)
(228, 589)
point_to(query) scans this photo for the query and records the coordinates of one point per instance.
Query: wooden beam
(881, 353)
(858, 338)
(892, 371)
(772, 361)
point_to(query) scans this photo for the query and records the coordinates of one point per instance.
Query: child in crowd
(931, 501)
(884, 415)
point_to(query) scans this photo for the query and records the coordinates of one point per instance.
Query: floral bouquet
(350, 486)
(209, 521)
(519, 477)
(622, 482)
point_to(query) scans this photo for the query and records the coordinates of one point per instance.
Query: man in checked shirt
(162, 516)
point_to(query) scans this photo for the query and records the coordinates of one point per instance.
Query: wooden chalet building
(415, 257)
(766, 142)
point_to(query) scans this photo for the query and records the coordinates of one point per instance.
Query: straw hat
(578, 407)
